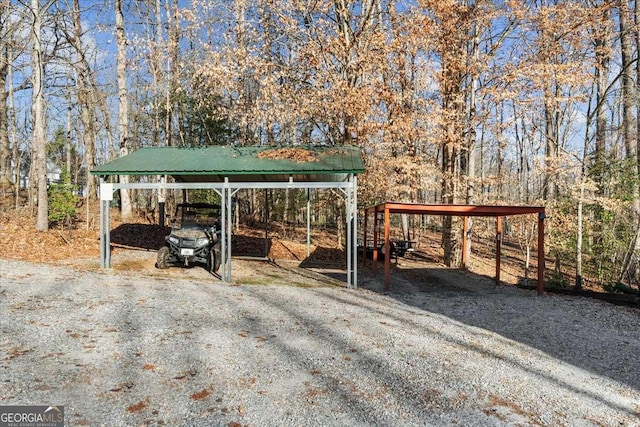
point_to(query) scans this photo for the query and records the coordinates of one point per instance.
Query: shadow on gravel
(595, 336)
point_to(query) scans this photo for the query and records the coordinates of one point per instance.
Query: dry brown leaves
(293, 154)
(138, 407)
(19, 239)
(200, 395)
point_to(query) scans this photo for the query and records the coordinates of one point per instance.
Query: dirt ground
(135, 242)
(277, 255)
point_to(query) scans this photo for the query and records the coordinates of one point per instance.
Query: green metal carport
(227, 169)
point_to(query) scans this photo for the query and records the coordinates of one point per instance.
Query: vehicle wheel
(163, 256)
(213, 262)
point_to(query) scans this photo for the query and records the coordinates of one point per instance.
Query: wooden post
(364, 236)
(375, 239)
(541, 266)
(465, 231)
(387, 251)
(498, 247)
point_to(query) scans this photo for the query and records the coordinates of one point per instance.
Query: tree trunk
(87, 100)
(470, 155)
(11, 125)
(123, 106)
(173, 38)
(5, 152)
(551, 143)
(629, 123)
(38, 178)
(156, 70)
(601, 72)
(636, 18)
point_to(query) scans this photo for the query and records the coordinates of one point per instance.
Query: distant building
(53, 174)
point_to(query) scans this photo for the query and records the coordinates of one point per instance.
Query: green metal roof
(256, 163)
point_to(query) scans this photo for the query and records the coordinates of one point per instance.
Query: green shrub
(558, 281)
(62, 202)
(620, 288)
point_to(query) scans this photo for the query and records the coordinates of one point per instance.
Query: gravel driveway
(130, 348)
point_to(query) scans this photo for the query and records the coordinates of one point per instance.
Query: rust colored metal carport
(465, 211)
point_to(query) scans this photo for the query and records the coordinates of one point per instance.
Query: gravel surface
(443, 348)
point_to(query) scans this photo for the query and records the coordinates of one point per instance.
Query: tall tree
(453, 20)
(38, 176)
(86, 91)
(629, 122)
(5, 37)
(123, 105)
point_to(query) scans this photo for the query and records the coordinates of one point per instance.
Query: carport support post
(223, 244)
(266, 224)
(230, 194)
(354, 283)
(102, 258)
(350, 234)
(541, 267)
(227, 191)
(308, 223)
(106, 194)
(498, 247)
(352, 231)
(107, 246)
(161, 201)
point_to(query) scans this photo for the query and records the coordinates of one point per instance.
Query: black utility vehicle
(194, 238)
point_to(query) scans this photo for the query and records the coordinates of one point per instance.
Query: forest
(507, 102)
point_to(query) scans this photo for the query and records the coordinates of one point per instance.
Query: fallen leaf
(200, 395)
(123, 386)
(137, 407)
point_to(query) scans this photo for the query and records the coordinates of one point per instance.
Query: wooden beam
(458, 210)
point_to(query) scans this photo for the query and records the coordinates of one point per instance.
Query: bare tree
(630, 124)
(123, 105)
(86, 91)
(38, 177)
(5, 37)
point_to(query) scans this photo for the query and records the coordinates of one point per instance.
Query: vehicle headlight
(174, 240)
(202, 241)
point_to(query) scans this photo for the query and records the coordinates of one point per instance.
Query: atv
(194, 239)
